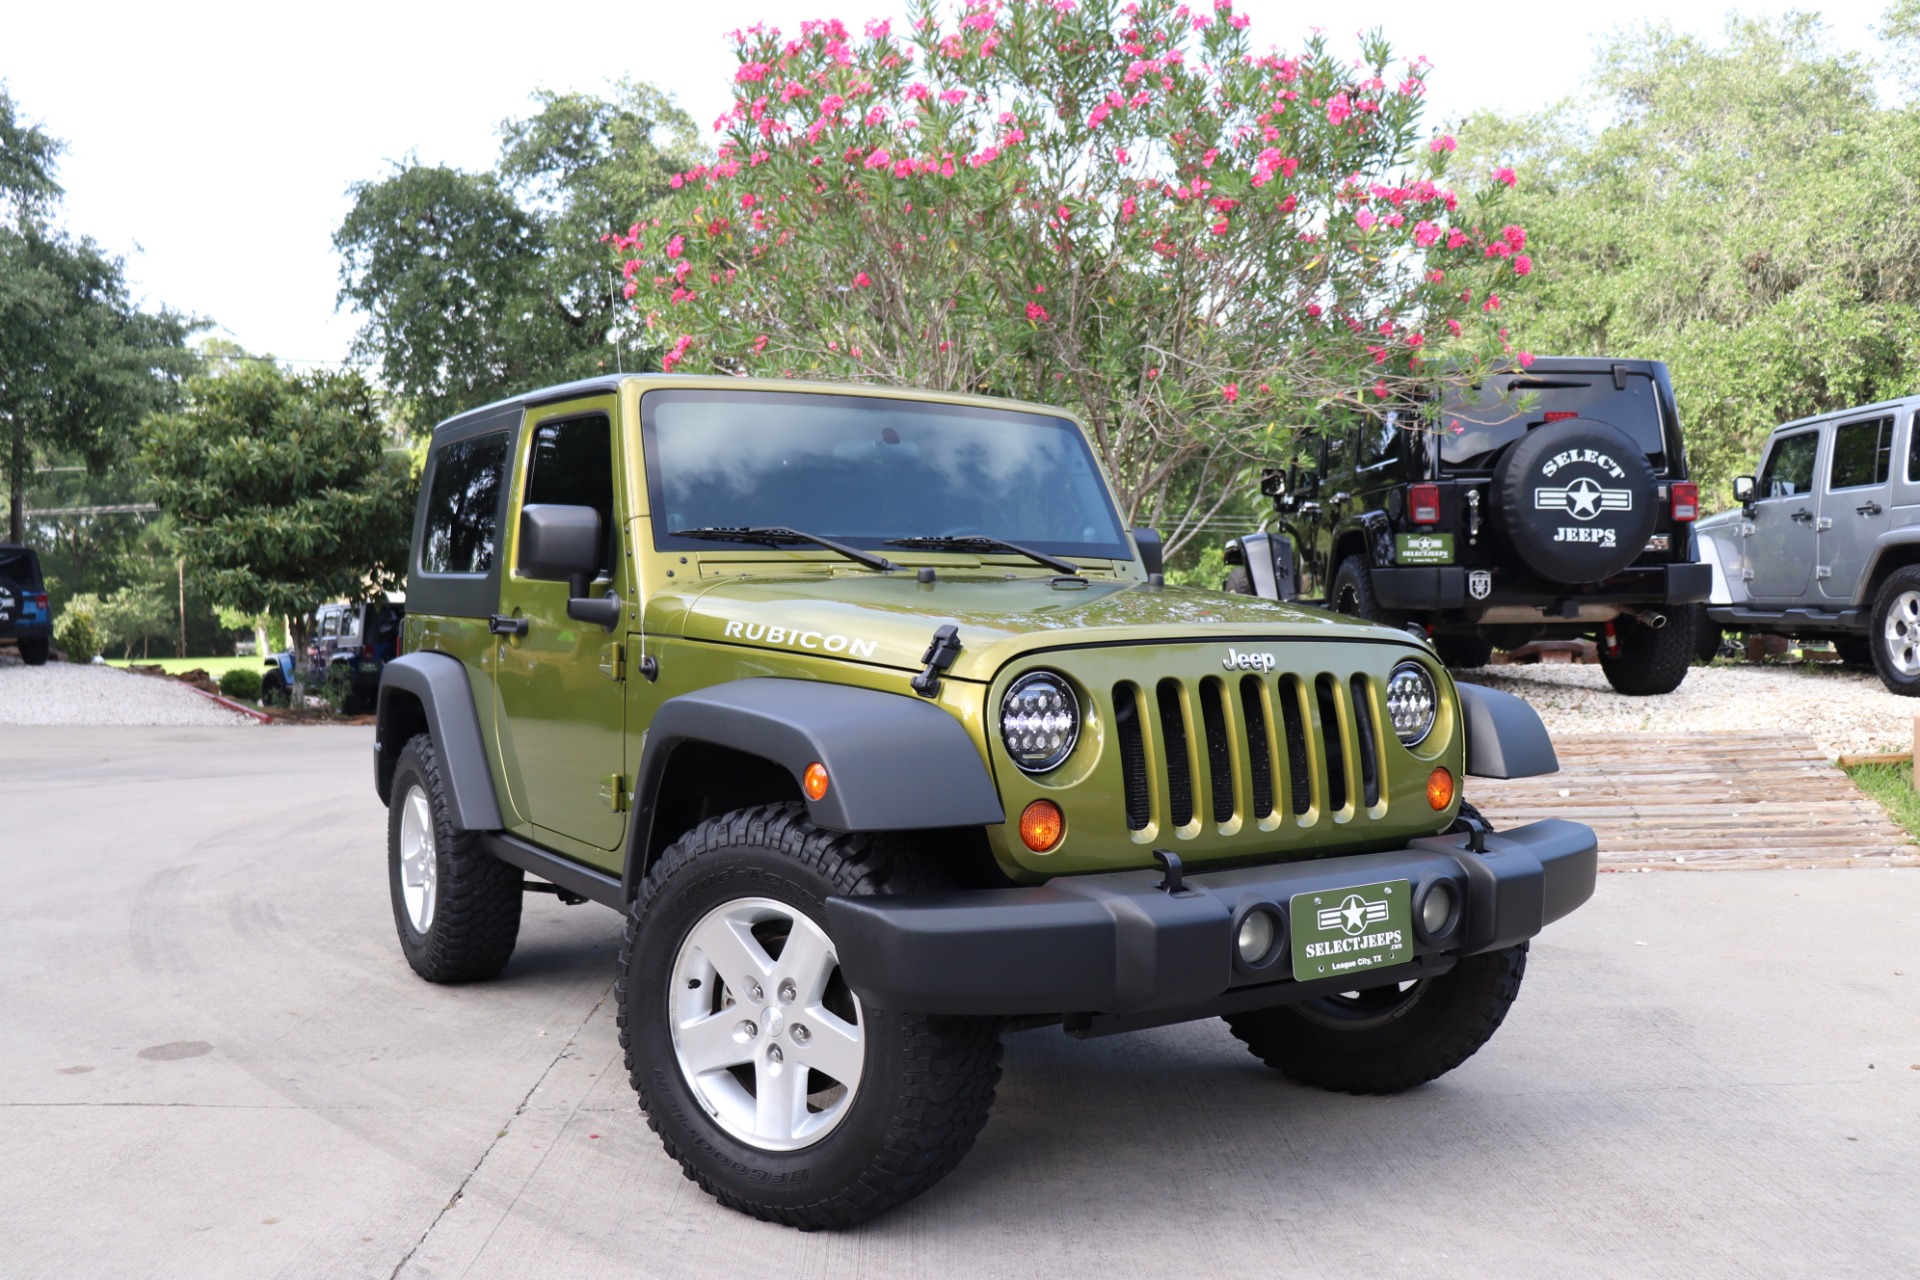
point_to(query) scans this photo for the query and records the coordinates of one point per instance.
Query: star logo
(1583, 498)
(1353, 915)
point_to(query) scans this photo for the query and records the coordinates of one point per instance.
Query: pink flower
(675, 247)
(1339, 107)
(1425, 233)
(1230, 392)
(1522, 264)
(1504, 175)
(863, 281)
(1453, 327)
(1436, 276)
(1036, 312)
(1152, 374)
(1526, 359)
(1416, 340)
(875, 116)
(1364, 219)
(919, 92)
(879, 159)
(1127, 207)
(1516, 237)
(1241, 20)
(1456, 238)
(1492, 303)
(1201, 22)
(1313, 309)
(954, 97)
(1380, 389)
(1443, 143)
(878, 28)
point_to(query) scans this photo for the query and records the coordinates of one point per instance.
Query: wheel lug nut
(800, 1033)
(754, 992)
(788, 992)
(747, 1030)
(774, 1054)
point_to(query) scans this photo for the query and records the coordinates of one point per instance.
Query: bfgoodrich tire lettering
(461, 923)
(1387, 1040)
(926, 1083)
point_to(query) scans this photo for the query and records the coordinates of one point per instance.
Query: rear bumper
(1116, 944)
(22, 629)
(1445, 587)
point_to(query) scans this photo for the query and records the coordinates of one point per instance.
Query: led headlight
(1411, 701)
(1039, 721)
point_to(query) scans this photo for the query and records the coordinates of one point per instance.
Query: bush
(76, 636)
(241, 682)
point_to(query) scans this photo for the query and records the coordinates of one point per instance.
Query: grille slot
(1259, 762)
(1332, 746)
(1368, 733)
(1173, 730)
(1133, 755)
(1293, 719)
(1213, 715)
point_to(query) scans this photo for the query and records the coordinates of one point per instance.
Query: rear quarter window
(1476, 423)
(463, 506)
(20, 566)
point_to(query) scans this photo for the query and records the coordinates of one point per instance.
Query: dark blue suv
(25, 617)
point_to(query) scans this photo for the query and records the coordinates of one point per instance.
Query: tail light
(1423, 503)
(366, 651)
(1686, 501)
(40, 601)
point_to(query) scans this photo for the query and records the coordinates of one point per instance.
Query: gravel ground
(1846, 712)
(60, 693)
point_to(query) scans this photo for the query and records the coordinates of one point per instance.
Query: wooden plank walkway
(1706, 801)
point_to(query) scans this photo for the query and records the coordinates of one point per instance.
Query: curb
(258, 716)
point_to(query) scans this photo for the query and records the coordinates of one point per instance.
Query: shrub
(76, 636)
(241, 682)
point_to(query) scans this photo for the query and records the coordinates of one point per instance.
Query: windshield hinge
(1619, 377)
(613, 790)
(938, 657)
(613, 664)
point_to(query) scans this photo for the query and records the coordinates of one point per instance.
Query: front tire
(1391, 1038)
(1895, 633)
(779, 1093)
(1352, 593)
(455, 906)
(1650, 660)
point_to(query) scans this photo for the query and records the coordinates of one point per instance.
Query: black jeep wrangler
(1549, 502)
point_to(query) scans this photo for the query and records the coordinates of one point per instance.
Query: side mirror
(564, 543)
(1148, 542)
(1743, 489)
(1274, 482)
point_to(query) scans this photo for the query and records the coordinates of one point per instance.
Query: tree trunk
(17, 484)
(183, 609)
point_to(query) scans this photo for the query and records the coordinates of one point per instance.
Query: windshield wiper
(777, 536)
(976, 542)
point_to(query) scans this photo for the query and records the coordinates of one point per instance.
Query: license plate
(1423, 548)
(1343, 931)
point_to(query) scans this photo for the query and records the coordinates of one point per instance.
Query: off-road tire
(1899, 583)
(1352, 593)
(476, 917)
(1650, 661)
(927, 1084)
(274, 691)
(1239, 581)
(1855, 652)
(34, 651)
(1707, 635)
(1427, 1032)
(1463, 651)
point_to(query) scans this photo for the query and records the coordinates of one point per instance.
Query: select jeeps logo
(1584, 498)
(1353, 914)
(1353, 917)
(1237, 661)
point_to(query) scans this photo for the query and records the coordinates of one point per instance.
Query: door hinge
(1822, 571)
(1746, 575)
(613, 790)
(613, 664)
(1823, 524)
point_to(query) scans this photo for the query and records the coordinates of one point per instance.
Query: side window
(1789, 469)
(1860, 454)
(330, 624)
(572, 465)
(1913, 450)
(463, 506)
(1383, 441)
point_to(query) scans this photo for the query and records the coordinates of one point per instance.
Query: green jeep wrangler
(885, 735)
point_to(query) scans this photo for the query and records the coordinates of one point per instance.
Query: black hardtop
(1491, 425)
(20, 565)
(604, 384)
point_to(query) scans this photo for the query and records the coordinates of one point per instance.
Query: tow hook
(1610, 641)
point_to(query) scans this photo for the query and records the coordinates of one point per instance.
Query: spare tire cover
(6, 603)
(1575, 500)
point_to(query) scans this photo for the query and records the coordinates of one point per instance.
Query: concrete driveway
(215, 1063)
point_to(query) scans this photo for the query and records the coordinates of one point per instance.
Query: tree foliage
(1743, 209)
(480, 285)
(1120, 209)
(283, 489)
(80, 363)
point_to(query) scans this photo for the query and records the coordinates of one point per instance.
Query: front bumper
(1116, 944)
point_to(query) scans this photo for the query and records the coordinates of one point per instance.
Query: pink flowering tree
(1125, 210)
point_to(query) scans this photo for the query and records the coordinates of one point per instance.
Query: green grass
(1892, 786)
(215, 667)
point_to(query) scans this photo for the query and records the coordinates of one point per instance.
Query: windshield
(1477, 422)
(862, 469)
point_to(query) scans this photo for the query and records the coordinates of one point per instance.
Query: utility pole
(183, 609)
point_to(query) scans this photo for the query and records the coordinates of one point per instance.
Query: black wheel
(1389, 1038)
(455, 906)
(34, 651)
(1650, 659)
(1895, 633)
(1856, 652)
(1239, 581)
(273, 689)
(1352, 593)
(1463, 651)
(1706, 634)
(760, 1070)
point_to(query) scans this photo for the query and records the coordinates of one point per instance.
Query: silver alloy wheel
(419, 868)
(769, 1042)
(1903, 633)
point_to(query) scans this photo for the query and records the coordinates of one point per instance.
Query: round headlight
(1411, 702)
(1039, 721)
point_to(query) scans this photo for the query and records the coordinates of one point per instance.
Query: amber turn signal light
(814, 780)
(1041, 826)
(1439, 789)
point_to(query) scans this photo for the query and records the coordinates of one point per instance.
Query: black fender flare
(439, 681)
(1896, 547)
(1505, 737)
(893, 763)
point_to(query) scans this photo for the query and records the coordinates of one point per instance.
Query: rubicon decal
(796, 638)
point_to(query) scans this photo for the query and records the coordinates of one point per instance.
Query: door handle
(1868, 508)
(501, 625)
(1803, 515)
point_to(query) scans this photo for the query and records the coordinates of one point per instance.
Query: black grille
(1173, 730)
(1258, 763)
(1293, 719)
(1133, 755)
(1213, 714)
(1369, 744)
(1330, 743)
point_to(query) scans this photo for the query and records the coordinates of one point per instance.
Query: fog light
(1438, 909)
(1439, 789)
(1255, 939)
(814, 780)
(1041, 826)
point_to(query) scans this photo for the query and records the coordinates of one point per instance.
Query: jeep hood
(889, 619)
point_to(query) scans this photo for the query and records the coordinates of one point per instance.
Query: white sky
(212, 144)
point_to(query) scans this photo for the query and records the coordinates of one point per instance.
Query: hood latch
(938, 657)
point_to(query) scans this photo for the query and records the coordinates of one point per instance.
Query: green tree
(479, 285)
(80, 364)
(1121, 209)
(1743, 209)
(284, 489)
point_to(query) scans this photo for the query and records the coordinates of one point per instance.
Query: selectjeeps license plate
(1340, 931)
